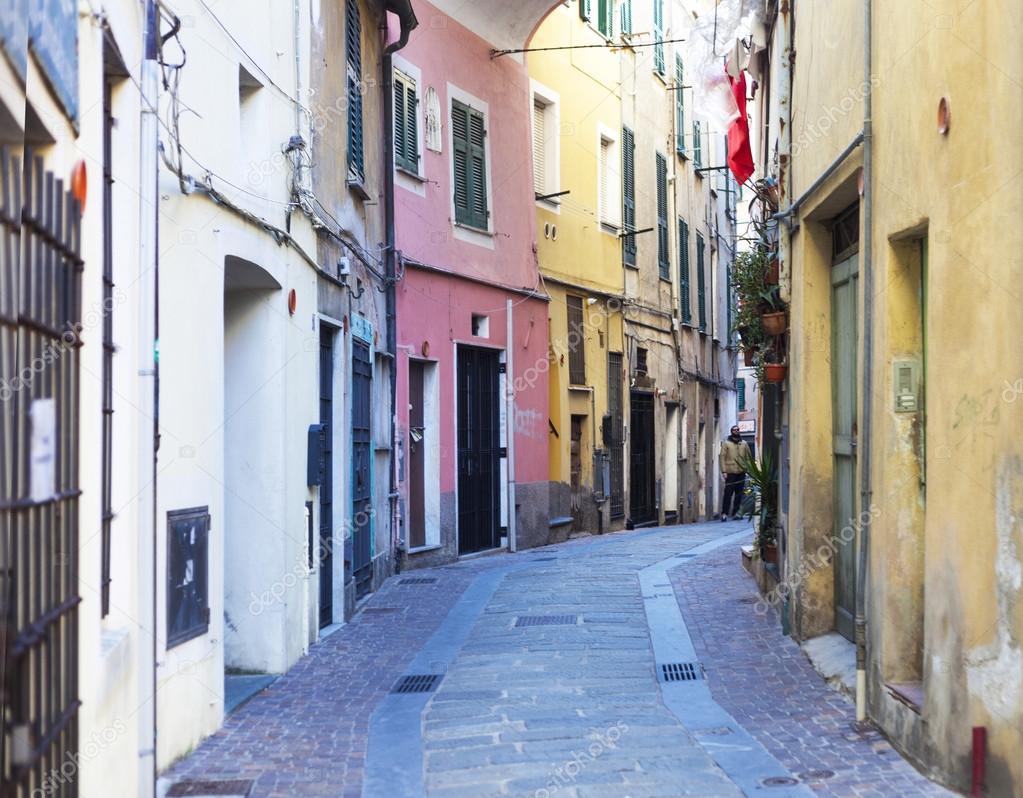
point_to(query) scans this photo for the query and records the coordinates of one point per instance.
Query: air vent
(681, 671)
(237, 787)
(417, 683)
(546, 620)
(418, 580)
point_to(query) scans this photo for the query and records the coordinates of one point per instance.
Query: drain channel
(418, 580)
(546, 620)
(417, 683)
(236, 787)
(681, 671)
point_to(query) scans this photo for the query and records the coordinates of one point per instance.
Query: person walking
(732, 461)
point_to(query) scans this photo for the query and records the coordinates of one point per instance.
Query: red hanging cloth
(740, 156)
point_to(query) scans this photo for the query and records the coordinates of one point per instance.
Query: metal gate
(326, 558)
(362, 460)
(616, 444)
(40, 304)
(479, 449)
(641, 449)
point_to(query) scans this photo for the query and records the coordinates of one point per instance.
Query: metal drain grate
(546, 620)
(544, 559)
(417, 683)
(418, 580)
(681, 671)
(237, 787)
(379, 610)
(779, 781)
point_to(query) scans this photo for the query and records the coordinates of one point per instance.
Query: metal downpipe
(866, 492)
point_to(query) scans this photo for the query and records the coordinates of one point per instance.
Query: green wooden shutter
(605, 17)
(412, 126)
(685, 302)
(701, 284)
(626, 21)
(680, 109)
(663, 265)
(460, 159)
(740, 386)
(659, 36)
(353, 53)
(400, 136)
(584, 9)
(470, 165)
(628, 196)
(697, 145)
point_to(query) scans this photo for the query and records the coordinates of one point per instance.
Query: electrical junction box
(906, 378)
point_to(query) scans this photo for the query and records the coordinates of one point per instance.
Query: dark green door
(844, 388)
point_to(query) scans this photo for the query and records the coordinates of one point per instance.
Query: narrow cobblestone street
(568, 704)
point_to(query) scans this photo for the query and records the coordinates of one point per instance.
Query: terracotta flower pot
(774, 323)
(772, 273)
(775, 372)
(747, 356)
(769, 553)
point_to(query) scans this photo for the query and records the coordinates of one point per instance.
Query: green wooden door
(844, 387)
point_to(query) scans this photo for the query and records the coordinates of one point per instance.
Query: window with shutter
(663, 265)
(584, 9)
(659, 36)
(626, 17)
(701, 284)
(685, 303)
(406, 124)
(628, 196)
(576, 341)
(353, 57)
(539, 148)
(680, 109)
(605, 17)
(697, 145)
(740, 386)
(606, 176)
(468, 133)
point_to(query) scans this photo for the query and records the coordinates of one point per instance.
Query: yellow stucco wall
(577, 254)
(945, 601)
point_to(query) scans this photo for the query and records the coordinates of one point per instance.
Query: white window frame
(612, 225)
(551, 101)
(407, 179)
(461, 232)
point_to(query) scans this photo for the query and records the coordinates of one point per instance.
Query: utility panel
(906, 378)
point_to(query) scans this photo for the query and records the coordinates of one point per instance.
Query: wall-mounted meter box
(906, 378)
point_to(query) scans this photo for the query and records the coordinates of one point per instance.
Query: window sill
(410, 174)
(632, 266)
(583, 388)
(665, 279)
(358, 187)
(610, 228)
(473, 229)
(548, 204)
(424, 549)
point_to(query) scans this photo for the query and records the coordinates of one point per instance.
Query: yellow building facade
(577, 152)
(902, 411)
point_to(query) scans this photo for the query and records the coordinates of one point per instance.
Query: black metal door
(416, 456)
(479, 450)
(326, 558)
(642, 509)
(362, 459)
(40, 305)
(616, 444)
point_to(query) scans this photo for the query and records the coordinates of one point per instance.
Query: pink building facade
(471, 360)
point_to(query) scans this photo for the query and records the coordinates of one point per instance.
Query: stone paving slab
(766, 682)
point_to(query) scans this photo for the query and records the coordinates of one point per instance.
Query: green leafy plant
(763, 479)
(748, 271)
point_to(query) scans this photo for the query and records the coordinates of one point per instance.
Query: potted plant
(773, 367)
(764, 485)
(772, 274)
(773, 317)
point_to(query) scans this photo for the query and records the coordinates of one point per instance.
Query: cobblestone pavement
(765, 681)
(570, 710)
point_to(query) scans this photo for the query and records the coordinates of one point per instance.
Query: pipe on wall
(148, 420)
(866, 490)
(509, 397)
